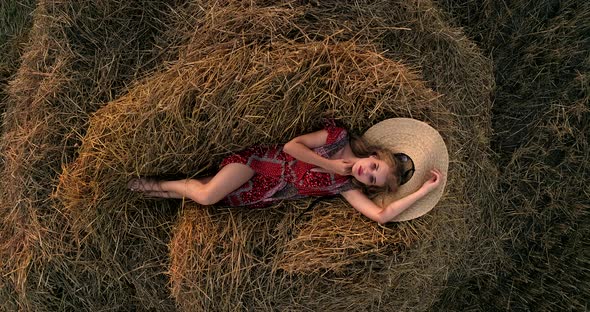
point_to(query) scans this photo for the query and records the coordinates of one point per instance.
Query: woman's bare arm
(301, 148)
(367, 207)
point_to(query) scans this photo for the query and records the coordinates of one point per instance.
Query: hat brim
(427, 149)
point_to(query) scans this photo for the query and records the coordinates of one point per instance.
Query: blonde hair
(361, 148)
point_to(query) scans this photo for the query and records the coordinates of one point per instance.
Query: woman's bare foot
(144, 185)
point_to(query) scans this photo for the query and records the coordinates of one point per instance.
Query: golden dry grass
(229, 75)
(68, 70)
(222, 259)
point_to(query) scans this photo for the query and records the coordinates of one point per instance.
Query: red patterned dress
(280, 176)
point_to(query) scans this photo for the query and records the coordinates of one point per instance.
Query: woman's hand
(338, 166)
(341, 166)
(433, 182)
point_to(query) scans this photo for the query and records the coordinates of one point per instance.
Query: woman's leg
(205, 191)
(153, 189)
(163, 194)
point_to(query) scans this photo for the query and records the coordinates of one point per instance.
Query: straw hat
(425, 147)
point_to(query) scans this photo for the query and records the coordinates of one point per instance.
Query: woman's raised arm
(367, 207)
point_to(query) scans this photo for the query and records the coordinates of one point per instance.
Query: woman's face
(371, 171)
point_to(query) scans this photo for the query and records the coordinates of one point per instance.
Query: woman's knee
(200, 194)
(205, 198)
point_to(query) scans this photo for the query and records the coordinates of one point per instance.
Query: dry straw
(270, 96)
(245, 74)
(79, 56)
(335, 259)
(541, 127)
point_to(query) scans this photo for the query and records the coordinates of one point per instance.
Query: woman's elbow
(386, 215)
(391, 212)
(381, 218)
(378, 217)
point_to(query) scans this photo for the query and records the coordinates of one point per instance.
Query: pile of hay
(15, 22)
(264, 75)
(266, 96)
(80, 55)
(229, 75)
